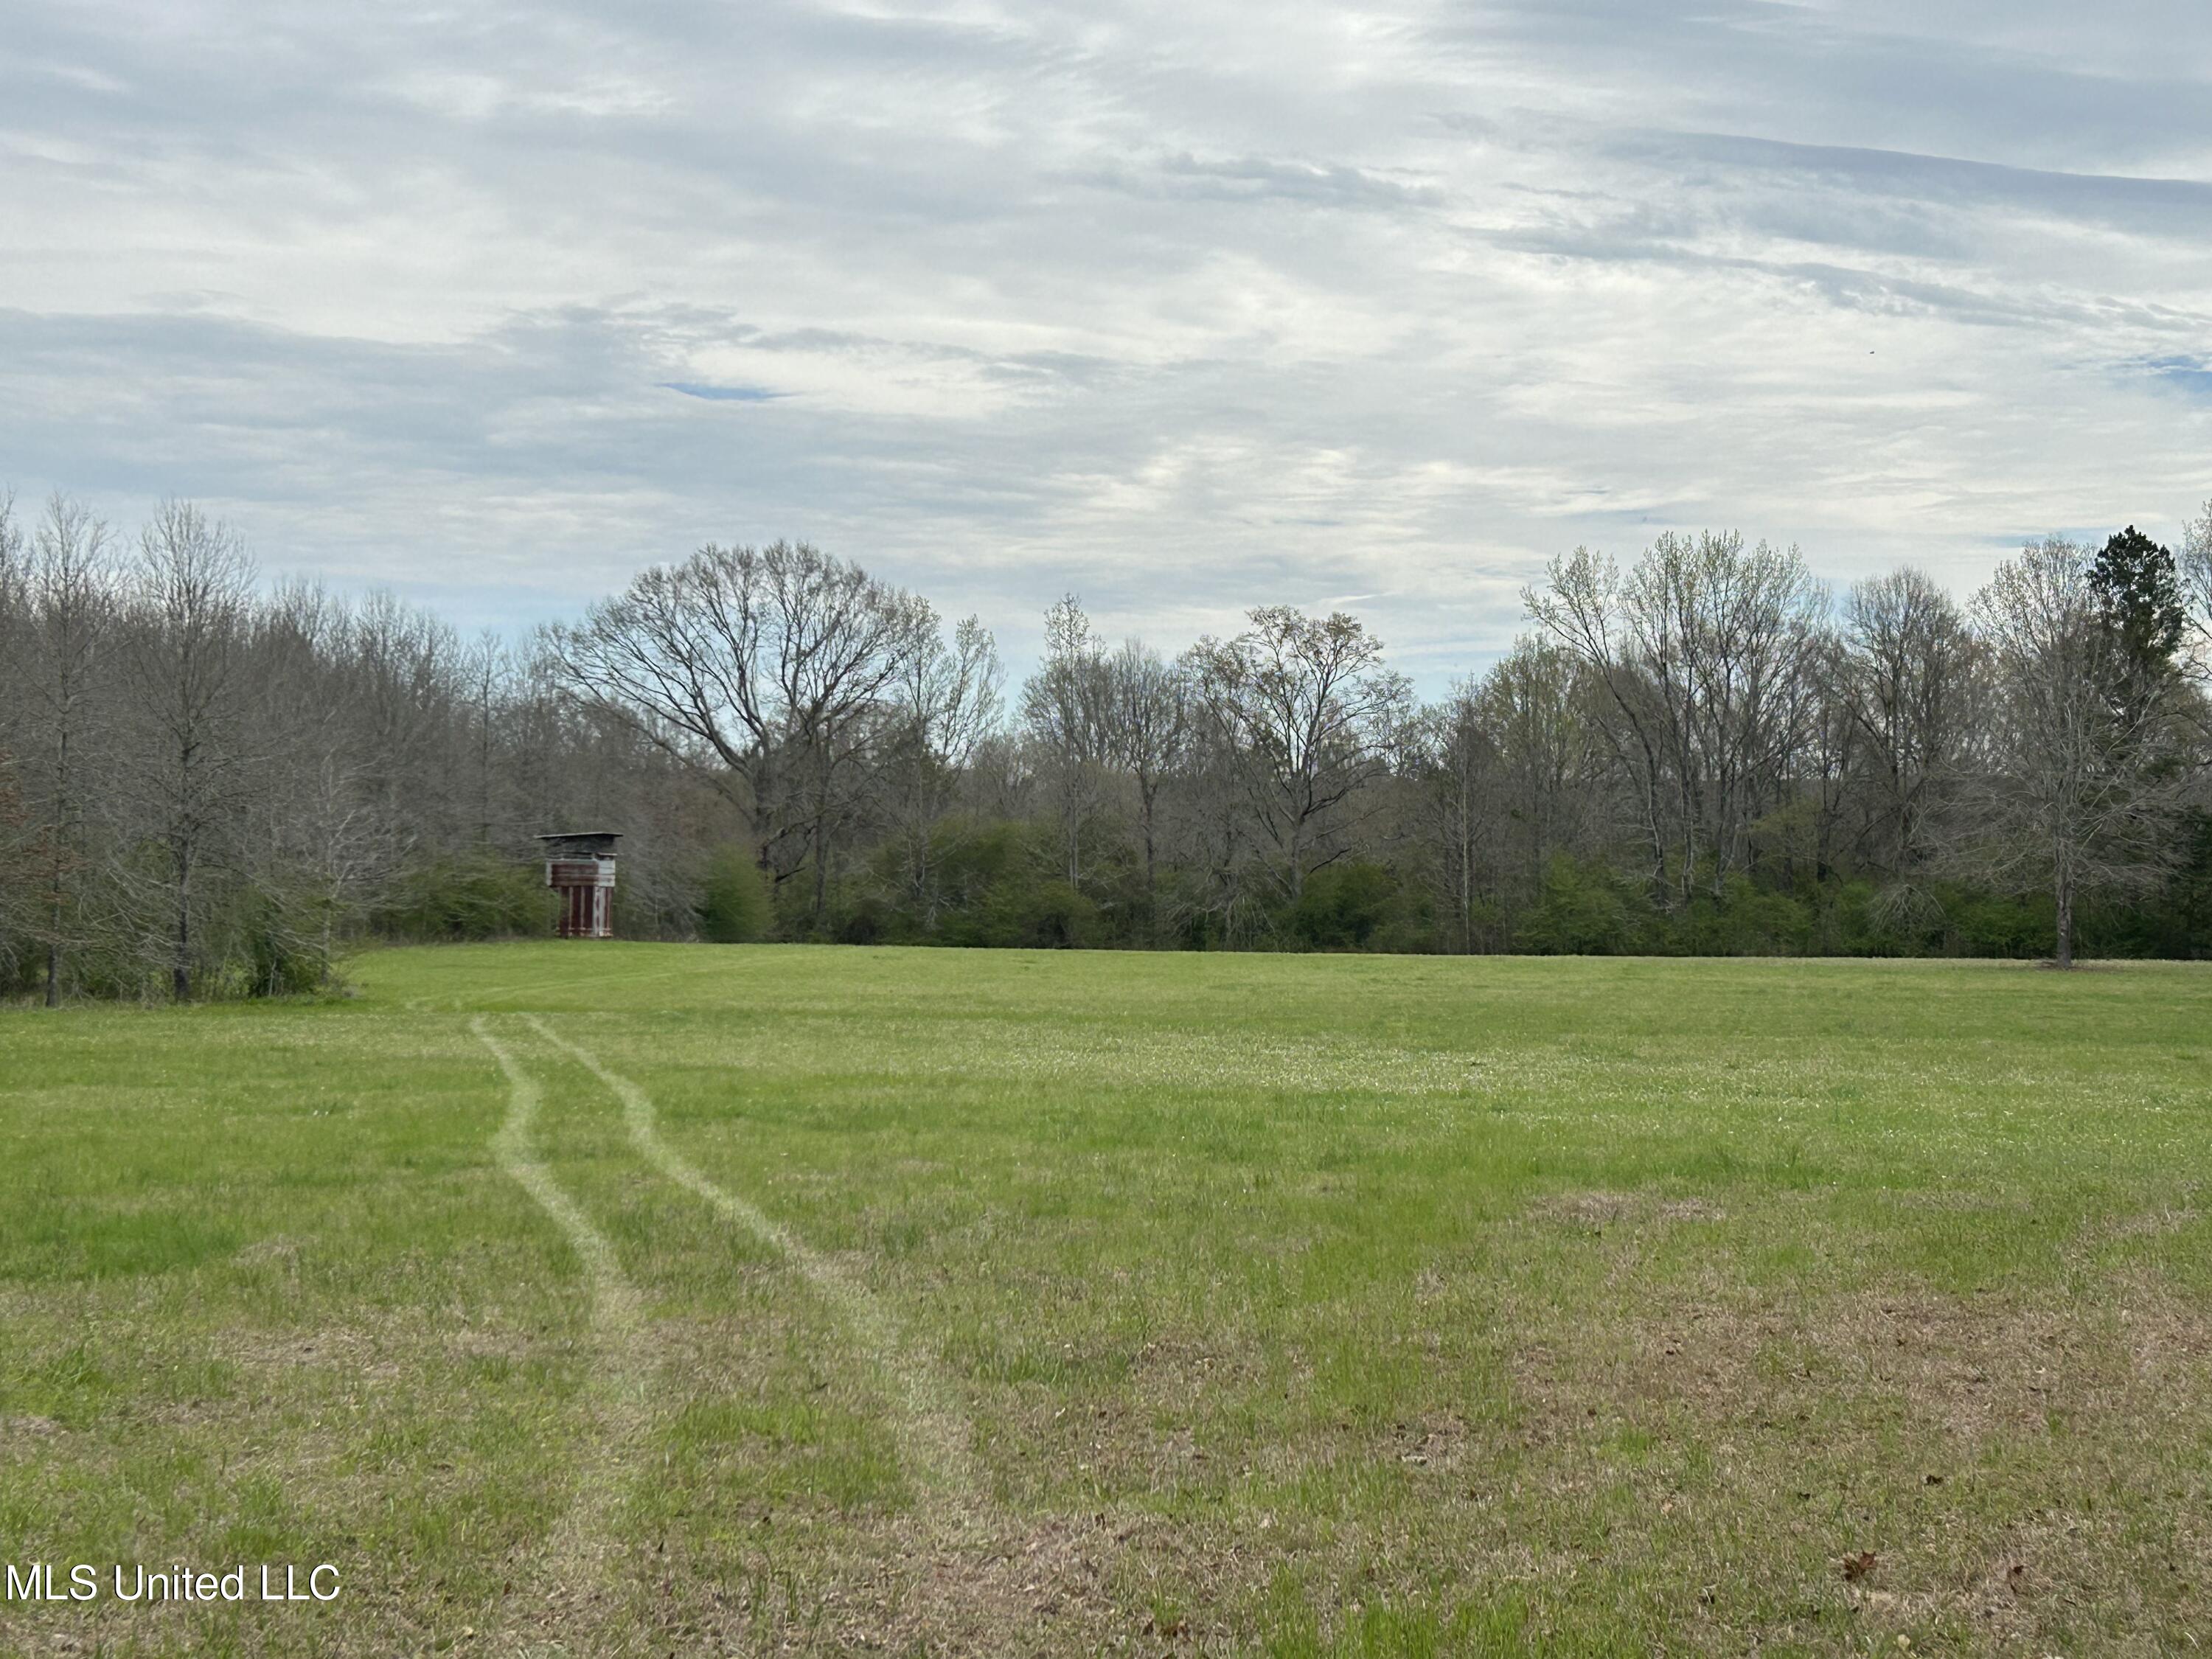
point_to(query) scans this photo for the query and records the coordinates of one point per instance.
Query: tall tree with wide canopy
(770, 668)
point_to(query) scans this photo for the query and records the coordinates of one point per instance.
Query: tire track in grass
(577, 1548)
(933, 1433)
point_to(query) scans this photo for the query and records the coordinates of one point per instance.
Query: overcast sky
(1185, 307)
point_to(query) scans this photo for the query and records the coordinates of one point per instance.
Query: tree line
(212, 786)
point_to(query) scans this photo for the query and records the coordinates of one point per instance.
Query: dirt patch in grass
(1969, 1367)
(1598, 1210)
(2019, 1588)
(276, 1248)
(907, 1584)
(382, 1353)
(1954, 1201)
(1981, 1367)
(2148, 1224)
(1439, 1444)
(1974, 1444)
(340, 1347)
(1040, 1583)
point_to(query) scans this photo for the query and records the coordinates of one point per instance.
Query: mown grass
(1293, 1305)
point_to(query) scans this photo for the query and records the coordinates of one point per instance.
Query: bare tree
(486, 669)
(1310, 714)
(1535, 706)
(2197, 578)
(1209, 821)
(403, 669)
(1905, 675)
(843, 639)
(1581, 608)
(772, 662)
(943, 705)
(193, 582)
(1146, 718)
(1066, 710)
(998, 784)
(12, 584)
(15, 630)
(71, 602)
(2195, 563)
(1703, 648)
(14, 621)
(344, 799)
(1459, 773)
(15, 617)
(2083, 792)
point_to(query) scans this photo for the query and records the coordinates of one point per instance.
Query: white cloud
(1179, 309)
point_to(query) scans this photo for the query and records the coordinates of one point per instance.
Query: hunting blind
(580, 868)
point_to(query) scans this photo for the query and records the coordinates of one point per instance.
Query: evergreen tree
(2137, 589)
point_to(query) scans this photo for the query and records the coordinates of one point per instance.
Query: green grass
(1286, 1306)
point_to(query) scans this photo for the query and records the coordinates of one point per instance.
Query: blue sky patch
(2190, 374)
(723, 394)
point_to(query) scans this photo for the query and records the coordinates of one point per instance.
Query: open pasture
(633, 1299)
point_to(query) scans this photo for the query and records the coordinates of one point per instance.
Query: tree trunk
(180, 969)
(1466, 890)
(821, 874)
(2065, 920)
(56, 914)
(58, 849)
(1151, 874)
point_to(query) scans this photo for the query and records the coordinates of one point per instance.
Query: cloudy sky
(1181, 305)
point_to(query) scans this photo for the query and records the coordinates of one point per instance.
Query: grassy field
(633, 1299)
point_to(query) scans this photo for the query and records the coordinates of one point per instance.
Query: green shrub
(1351, 906)
(734, 905)
(1582, 911)
(467, 895)
(1744, 921)
(1981, 924)
(276, 959)
(1054, 916)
